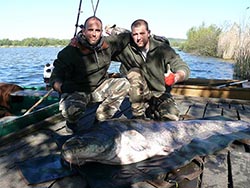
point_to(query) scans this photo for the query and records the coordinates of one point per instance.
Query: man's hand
(57, 87)
(170, 79)
(109, 29)
(114, 30)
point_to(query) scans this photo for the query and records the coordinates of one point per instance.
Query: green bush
(202, 40)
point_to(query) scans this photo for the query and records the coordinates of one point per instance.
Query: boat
(213, 88)
(28, 106)
(31, 140)
(35, 135)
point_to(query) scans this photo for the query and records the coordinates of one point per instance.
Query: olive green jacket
(160, 58)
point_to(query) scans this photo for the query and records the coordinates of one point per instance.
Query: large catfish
(121, 142)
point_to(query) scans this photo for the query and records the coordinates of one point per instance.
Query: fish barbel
(121, 142)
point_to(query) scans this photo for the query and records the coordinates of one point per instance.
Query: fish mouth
(79, 150)
(71, 151)
(71, 159)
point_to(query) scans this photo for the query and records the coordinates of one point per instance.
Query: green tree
(202, 40)
(5, 42)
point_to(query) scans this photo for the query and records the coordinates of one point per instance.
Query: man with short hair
(151, 67)
(80, 75)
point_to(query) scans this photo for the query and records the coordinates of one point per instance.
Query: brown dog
(5, 90)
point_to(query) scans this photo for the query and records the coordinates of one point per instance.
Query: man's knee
(122, 86)
(137, 85)
(73, 106)
(134, 74)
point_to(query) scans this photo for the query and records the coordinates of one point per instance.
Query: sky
(21, 19)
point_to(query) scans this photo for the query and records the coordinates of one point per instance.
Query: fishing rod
(51, 90)
(233, 83)
(78, 15)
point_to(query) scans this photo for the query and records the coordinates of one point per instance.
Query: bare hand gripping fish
(121, 142)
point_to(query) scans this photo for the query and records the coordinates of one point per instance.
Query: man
(151, 66)
(80, 76)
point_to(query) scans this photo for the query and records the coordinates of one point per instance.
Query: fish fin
(138, 144)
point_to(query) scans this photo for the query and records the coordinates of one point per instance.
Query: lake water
(24, 65)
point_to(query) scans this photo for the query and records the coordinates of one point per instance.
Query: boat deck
(228, 168)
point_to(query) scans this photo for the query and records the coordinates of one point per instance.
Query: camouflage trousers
(109, 94)
(155, 105)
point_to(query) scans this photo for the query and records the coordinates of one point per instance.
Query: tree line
(34, 42)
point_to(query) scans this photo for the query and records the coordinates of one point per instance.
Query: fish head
(80, 149)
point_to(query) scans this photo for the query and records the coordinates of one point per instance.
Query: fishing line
(94, 8)
(79, 11)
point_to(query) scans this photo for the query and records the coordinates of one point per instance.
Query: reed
(242, 55)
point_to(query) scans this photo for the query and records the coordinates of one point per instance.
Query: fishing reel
(47, 71)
